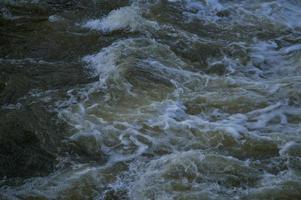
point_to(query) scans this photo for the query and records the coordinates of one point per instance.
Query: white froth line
(286, 147)
(292, 48)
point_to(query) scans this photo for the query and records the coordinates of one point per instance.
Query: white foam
(172, 116)
(16, 106)
(104, 63)
(55, 18)
(196, 171)
(286, 147)
(277, 12)
(155, 58)
(290, 49)
(281, 11)
(204, 9)
(204, 4)
(123, 18)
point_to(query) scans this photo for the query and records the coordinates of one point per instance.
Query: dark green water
(150, 99)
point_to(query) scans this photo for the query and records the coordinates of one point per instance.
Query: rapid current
(150, 99)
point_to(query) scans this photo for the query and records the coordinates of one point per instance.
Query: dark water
(150, 99)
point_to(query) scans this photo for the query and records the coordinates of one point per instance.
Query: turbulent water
(150, 99)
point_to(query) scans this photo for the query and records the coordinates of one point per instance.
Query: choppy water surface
(150, 99)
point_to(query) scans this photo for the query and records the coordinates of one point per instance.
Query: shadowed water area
(150, 99)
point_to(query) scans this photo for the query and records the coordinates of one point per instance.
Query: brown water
(150, 99)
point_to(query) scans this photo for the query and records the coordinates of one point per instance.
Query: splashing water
(151, 99)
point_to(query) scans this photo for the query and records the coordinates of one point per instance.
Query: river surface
(150, 99)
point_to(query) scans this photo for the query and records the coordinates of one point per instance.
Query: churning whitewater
(151, 99)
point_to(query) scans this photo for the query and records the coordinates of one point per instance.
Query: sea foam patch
(123, 18)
